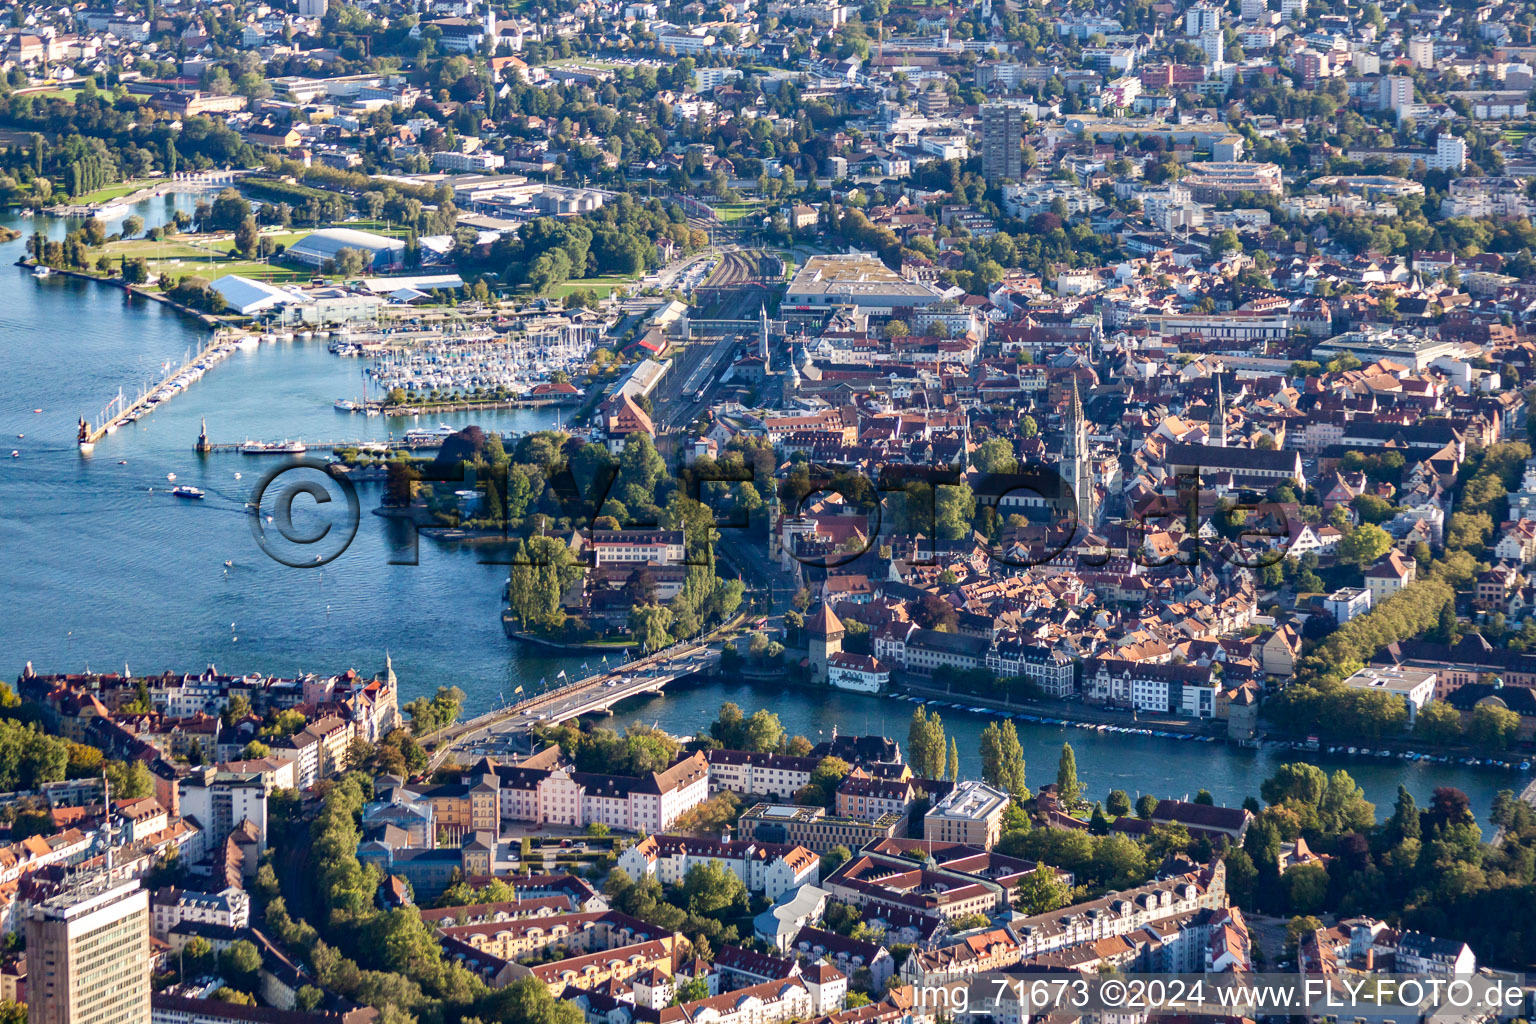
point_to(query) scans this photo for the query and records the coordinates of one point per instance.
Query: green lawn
(729, 212)
(184, 255)
(378, 227)
(282, 238)
(600, 285)
(111, 192)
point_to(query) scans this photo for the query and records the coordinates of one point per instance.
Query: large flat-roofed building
(1211, 181)
(855, 279)
(971, 813)
(88, 955)
(320, 247)
(1416, 351)
(1416, 686)
(1238, 325)
(815, 829)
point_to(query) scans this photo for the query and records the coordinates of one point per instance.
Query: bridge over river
(593, 694)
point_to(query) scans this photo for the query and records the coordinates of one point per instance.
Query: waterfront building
(1415, 686)
(825, 632)
(1150, 688)
(88, 959)
(857, 672)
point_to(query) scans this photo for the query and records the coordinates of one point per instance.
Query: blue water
(102, 567)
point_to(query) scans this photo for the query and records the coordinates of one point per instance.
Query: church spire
(1219, 418)
(1076, 468)
(965, 442)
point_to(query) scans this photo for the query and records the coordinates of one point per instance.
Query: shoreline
(208, 320)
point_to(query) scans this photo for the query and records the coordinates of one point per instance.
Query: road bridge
(593, 694)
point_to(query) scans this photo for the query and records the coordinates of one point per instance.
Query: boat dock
(392, 444)
(121, 410)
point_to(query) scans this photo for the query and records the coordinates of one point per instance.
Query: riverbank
(1072, 713)
(596, 646)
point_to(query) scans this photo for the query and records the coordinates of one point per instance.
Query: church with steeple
(1076, 463)
(1216, 434)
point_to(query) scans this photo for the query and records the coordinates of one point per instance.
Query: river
(103, 568)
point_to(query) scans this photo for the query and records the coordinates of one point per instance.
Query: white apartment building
(169, 907)
(766, 868)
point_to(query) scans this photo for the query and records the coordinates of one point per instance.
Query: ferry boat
(442, 432)
(41, 271)
(183, 491)
(273, 448)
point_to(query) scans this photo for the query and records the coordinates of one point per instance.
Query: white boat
(41, 272)
(345, 405)
(183, 491)
(419, 436)
(249, 341)
(273, 448)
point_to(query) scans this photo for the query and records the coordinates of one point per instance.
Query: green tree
(1068, 790)
(1041, 891)
(712, 889)
(650, 624)
(130, 780)
(1002, 759)
(925, 744)
(239, 963)
(764, 733)
(246, 236)
(1364, 545)
(1493, 727)
(1438, 722)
